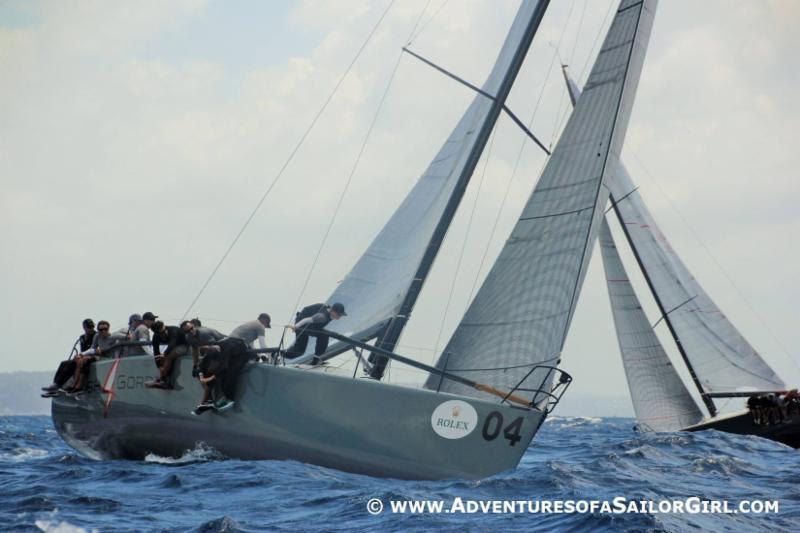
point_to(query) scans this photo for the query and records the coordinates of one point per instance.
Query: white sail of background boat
(471, 430)
(660, 399)
(721, 362)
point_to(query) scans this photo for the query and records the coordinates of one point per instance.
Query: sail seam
(574, 211)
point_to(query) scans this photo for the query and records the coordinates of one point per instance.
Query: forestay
(660, 399)
(377, 286)
(522, 312)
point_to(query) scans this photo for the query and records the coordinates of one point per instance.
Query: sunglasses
(102, 329)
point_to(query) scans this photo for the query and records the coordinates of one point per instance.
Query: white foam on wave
(573, 421)
(201, 453)
(51, 526)
(19, 455)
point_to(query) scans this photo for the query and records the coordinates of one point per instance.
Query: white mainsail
(720, 356)
(522, 312)
(376, 287)
(660, 399)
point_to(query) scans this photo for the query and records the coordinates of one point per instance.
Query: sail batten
(522, 312)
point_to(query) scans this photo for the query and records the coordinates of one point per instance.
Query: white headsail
(720, 356)
(660, 399)
(379, 283)
(522, 312)
(720, 359)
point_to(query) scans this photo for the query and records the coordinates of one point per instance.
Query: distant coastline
(20, 393)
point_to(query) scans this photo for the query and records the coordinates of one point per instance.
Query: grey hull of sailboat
(742, 423)
(356, 425)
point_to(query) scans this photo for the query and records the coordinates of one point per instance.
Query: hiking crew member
(66, 369)
(175, 340)
(86, 339)
(138, 332)
(101, 348)
(311, 320)
(218, 372)
(197, 336)
(255, 329)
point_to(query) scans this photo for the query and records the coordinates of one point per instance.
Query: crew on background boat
(66, 369)
(196, 337)
(196, 322)
(253, 330)
(175, 341)
(311, 320)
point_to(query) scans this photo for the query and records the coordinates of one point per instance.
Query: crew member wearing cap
(175, 341)
(254, 330)
(197, 337)
(66, 369)
(311, 320)
(139, 332)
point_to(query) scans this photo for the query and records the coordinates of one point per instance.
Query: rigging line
(516, 167)
(716, 262)
(464, 242)
(347, 184)
(413, 37)
(578, 34)
(616, 202)
(561, 116)
(288, 160)
(671, 310)
(462, 81)
(597, 38)
(353, 170)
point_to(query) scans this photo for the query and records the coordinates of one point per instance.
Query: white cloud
(125, 175)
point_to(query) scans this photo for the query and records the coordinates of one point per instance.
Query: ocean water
(47, 486)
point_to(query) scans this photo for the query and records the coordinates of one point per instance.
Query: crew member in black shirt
(175, 340)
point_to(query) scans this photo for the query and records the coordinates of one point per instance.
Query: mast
(394, 329)
(712, 409)
(574, 94)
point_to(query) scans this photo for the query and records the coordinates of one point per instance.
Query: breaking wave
(201, 453)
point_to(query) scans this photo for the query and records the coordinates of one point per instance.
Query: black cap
(149, 316)
(88, 323)
(339, 308)
(265, 316)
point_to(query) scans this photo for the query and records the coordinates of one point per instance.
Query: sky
(136, 138)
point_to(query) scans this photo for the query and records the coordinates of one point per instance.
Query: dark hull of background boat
(355, 425)
(787, 432)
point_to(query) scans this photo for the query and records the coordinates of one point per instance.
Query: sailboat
(721, 362)
(498, 377)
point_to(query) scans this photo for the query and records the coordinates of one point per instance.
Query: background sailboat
(720, 361)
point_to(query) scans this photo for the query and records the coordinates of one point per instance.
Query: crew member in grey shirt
(254, 330)
(197, 337)
(101, 346)
(138, 332)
